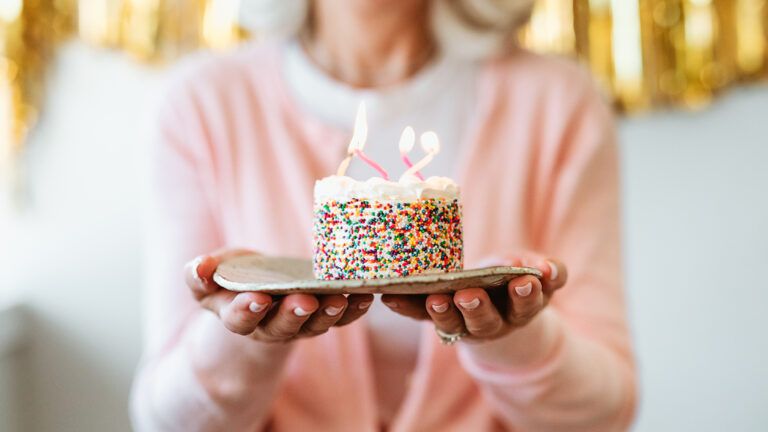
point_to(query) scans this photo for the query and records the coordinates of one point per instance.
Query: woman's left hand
(481, 315)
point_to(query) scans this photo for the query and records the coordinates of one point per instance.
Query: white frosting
(342, 188)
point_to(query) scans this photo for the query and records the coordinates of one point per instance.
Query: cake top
(343, 188)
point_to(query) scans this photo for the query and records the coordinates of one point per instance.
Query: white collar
(334, 102)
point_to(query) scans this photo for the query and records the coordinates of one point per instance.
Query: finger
(200, 288)
(285, 321)
(481, 318)
(527, 299)
(411, 306)
(554, 273)
(243, 314)
(198, 273)
(330, 310)
(218, 301)
(357, 306)
(556, 277)
(444, 314)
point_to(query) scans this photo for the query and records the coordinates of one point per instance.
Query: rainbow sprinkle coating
(367, 239)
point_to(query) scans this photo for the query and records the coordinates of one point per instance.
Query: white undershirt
(438, 98)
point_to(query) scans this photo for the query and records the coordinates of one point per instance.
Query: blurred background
(79, 82)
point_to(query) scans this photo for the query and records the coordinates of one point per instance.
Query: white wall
(77, 245)
(696, 236)
(696, 213)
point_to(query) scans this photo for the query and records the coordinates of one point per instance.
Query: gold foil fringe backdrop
(646, 53)
(29, 30)
(651, 53)
(158, 30)
(150, 30)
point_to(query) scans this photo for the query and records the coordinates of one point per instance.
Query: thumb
(198, 273)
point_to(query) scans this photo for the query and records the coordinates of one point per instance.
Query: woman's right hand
(266, 318)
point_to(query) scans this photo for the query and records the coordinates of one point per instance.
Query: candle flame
(360, 132)
(430, 143)
(407, 139)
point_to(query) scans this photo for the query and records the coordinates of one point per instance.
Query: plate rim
(341, 284)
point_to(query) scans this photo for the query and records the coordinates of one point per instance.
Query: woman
(242, 139)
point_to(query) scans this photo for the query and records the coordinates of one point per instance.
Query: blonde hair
(471, 29)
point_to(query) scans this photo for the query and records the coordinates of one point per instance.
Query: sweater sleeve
(580, 375)
(194, 375)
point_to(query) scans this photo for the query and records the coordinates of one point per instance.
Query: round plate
(291, 275)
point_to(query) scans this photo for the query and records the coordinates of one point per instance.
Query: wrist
(521, 348)
(210, 342)
(228, 364)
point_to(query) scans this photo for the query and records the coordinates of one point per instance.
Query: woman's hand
(482, 315)
(267, 318)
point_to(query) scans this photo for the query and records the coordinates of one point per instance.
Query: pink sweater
(235, 166)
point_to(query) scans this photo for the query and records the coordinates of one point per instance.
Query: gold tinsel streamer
(646, 53)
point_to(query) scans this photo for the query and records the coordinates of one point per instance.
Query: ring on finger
(449, 338)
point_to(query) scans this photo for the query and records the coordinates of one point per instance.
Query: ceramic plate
(290, 275)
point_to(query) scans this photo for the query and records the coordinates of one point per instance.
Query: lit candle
(431, 145)
(407, 139)
(356, 144)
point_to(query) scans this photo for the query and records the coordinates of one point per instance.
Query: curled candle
(431, 145)
(407, 139)
(359, 153)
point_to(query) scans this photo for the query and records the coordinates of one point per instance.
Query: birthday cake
(379, 228)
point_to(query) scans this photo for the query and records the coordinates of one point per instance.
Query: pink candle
(409, 164)
(359, 153)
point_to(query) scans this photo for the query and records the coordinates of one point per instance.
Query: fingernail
(440, 308)
(524, 290)
(300, 312)
(333, 311)
(471, 304)
(391, 304)
(195, 264)
(552, 270)
(364, 305)
(256, 307)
